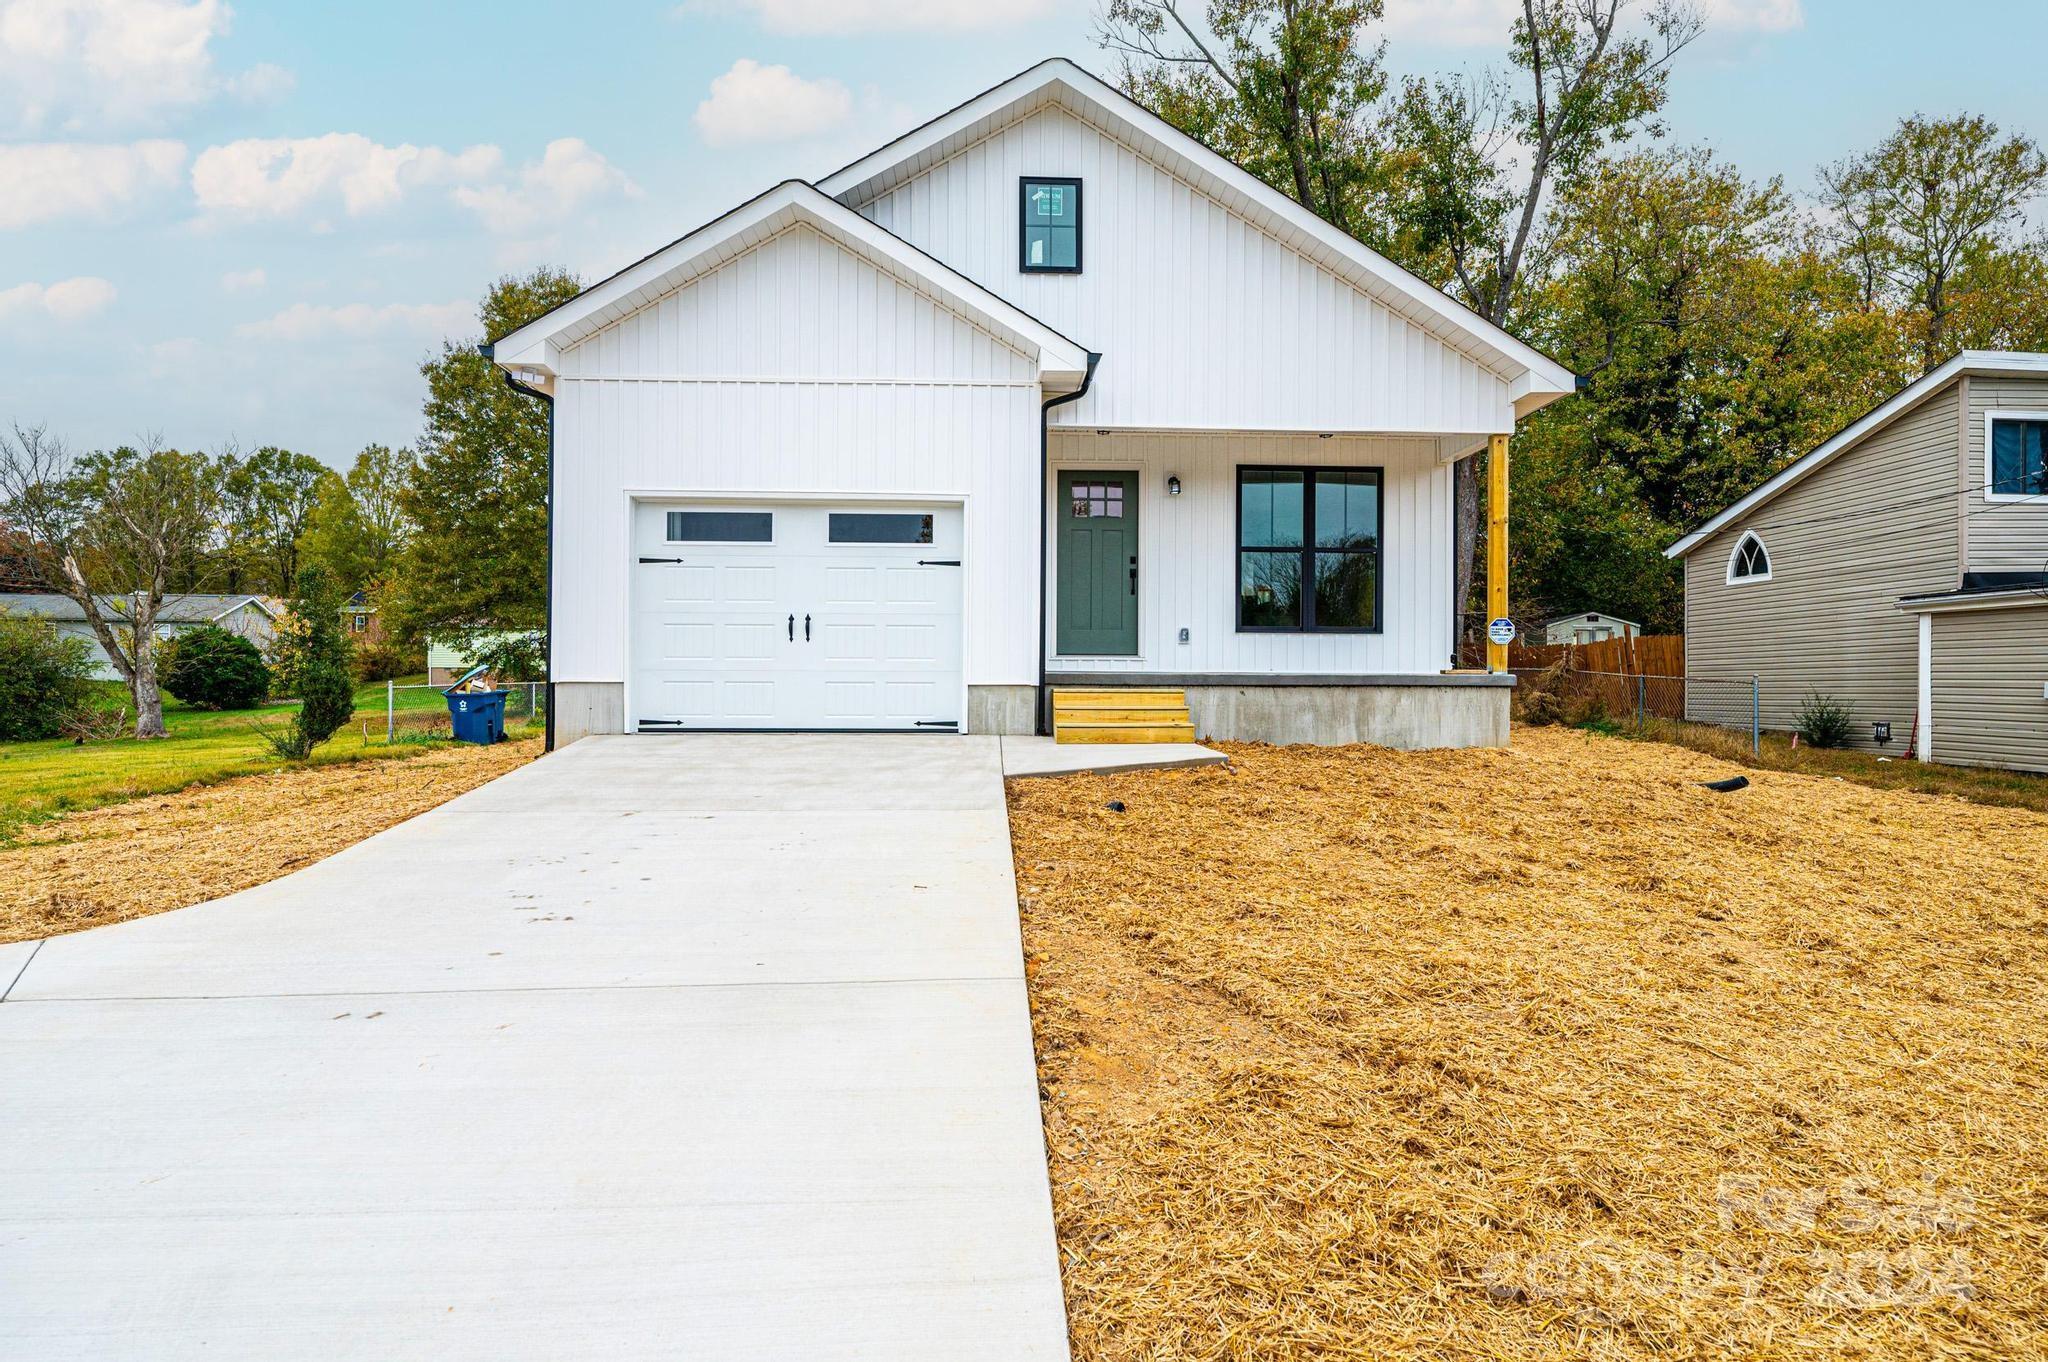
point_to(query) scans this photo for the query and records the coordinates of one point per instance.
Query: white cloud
(278, 177)
(46, 181)
(1756, 16)
(306, 321)
(71, 64)
(756, 103)
(874, 16)
(1485, 23)
(243, 281)
(67, 300)
(569, 174)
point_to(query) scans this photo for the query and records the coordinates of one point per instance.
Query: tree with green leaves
(266, 501)
(1917, 210)
(315, 655)
(477, 562)
(1718, 338)
(109, 531)
(358, 525)
(1282, 87)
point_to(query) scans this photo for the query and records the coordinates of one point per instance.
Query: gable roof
(197, 608)
(538, 345)
(1992, 363)
(1534, 379)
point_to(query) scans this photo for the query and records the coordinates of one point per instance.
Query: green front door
(1098, 564)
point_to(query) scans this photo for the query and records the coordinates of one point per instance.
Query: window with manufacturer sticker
(878, 527)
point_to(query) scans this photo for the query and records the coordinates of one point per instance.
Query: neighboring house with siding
(1901, 567)
(253, 617)
(1589, 626)
(1042, 393)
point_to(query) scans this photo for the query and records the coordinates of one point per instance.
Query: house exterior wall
(2003, 536)
(1187, 544)
(1989, 667)
(1876, 523)
(797, 370)
(1203, 319)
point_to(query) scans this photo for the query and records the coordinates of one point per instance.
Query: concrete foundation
(1001, 709)
(584, 708)
(1408, 716)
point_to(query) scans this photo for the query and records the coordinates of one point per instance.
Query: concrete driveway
(696, 1047)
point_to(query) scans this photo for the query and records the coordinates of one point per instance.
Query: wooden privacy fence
(1630, 676)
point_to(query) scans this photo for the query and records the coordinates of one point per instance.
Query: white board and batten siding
(1188, 554)
(796, 371)
(1203, 319)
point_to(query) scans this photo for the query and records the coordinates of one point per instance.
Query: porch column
(1923, 730)
(1496, 545)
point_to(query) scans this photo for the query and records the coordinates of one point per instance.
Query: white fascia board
(538, 344)
(2017, 598)
(1542, 379)
(1971, 363)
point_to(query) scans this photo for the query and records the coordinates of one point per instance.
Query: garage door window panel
(721, 527)
(872, 527)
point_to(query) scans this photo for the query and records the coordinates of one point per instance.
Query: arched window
(1750, 562)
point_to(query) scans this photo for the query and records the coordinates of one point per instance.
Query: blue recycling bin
(478, 715)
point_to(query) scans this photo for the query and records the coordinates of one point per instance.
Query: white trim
(1923, 736)
(538, 345)
(1991, 363)
(1535, 379)
(2007, 414)
(2014, 598)
(1749, 537)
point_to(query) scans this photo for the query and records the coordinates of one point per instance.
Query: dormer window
(1750, 562)
(1049, 234)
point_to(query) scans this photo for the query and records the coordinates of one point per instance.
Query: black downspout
(548, 626)
(1039, 722)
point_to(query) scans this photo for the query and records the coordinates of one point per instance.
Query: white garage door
(786, 616)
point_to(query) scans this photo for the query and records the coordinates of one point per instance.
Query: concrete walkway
(694, 1047)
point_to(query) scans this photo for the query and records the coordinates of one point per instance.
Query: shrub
(381, 662)
(45, 678)
(1822, 721)
(315, 653)
(212, 668)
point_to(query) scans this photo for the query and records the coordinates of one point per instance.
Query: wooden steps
(1134, 716)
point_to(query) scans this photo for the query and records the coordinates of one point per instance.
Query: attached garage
(796, 615)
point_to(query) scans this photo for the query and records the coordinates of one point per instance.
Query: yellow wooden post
(1496, 546)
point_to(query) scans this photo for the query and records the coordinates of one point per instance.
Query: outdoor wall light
(1173, 484)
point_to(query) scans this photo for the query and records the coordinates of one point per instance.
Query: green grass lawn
(41, 779)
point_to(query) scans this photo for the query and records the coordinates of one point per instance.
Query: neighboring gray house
(1589, 626)
(1901, 567)
(253, 617)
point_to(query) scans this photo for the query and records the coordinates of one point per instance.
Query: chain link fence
(1637, 700)
(419, 713)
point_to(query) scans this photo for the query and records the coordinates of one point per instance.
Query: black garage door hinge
(661, 560)
(938, 562)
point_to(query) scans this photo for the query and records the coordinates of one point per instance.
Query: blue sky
(250, 223)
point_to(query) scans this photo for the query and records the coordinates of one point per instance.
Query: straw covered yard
(1547, 1052)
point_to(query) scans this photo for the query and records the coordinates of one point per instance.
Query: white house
(1043, 393)
(253, 617)
(1589, 626)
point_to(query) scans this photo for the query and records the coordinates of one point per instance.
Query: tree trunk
(1465, 550)
(149, 698)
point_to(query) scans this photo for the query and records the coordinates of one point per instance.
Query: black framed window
(1049, 227)
(877, 527)
(721, 527)
(1308, 549)
(2019, 456)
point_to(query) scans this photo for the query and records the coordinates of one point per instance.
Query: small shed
(1589, 626)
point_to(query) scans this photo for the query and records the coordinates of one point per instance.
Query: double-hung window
(2018, 446)
(1308, 549)
(1049, 233)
